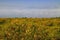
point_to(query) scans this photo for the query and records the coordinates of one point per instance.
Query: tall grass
(29, 28)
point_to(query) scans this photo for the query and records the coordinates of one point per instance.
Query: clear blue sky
(19, 7)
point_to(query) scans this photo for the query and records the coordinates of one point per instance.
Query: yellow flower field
(29, 28)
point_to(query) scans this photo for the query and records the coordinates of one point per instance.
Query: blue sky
(29, 8)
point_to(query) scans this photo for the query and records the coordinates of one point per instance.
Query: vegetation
(29, 28)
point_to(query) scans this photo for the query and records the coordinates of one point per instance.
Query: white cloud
(29, 12)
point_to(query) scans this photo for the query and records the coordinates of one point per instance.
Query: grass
(29, 28)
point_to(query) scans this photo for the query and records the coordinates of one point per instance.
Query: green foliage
(30, 29)
(2, 21)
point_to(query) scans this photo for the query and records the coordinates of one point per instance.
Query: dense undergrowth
(29, 28)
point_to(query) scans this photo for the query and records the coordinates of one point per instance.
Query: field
(29, 28)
